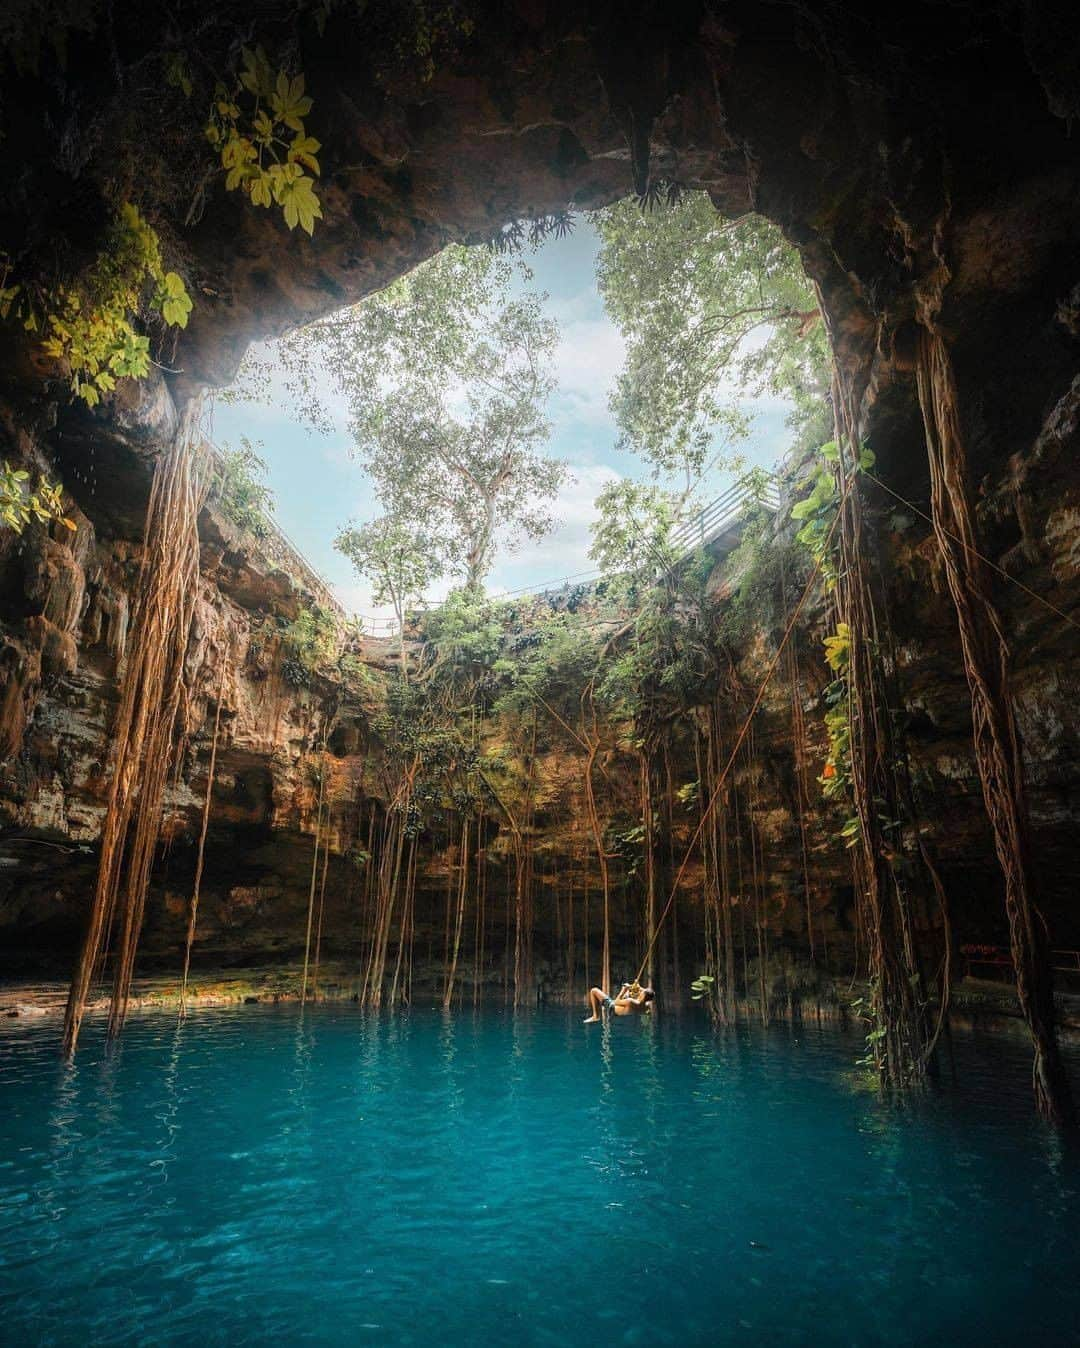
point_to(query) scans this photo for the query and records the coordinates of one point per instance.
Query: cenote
(539, 672)
(259, 1176)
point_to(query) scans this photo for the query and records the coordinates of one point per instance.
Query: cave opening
(551, 501)
(464, 354)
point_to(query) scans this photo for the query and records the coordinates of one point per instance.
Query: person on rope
(632, 1000)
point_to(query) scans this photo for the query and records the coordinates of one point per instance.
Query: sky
(318, 488)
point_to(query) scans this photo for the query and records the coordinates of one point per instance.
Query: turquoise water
(256, 1178)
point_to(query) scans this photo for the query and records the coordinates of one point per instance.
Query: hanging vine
(153, 691)
(997, 743)
(193, 910)
(861, 762)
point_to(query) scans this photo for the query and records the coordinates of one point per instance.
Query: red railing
(998, 957)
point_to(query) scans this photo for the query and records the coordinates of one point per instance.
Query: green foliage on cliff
(239, 487)
(257, 129)
(19, 503)
(149, 152)
(466, 630)
(89, 321)
(817, 513)
(311, 641)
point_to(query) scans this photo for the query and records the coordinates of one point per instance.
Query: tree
(694, 295)
(244, 496)
(399, 559)
(632, 532)
(446, 374)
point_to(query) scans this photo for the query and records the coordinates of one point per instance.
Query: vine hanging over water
(153, 692)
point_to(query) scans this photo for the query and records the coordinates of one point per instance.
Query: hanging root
(997, 747)
(723, 775)
(593, 741)
(193, 911)
(152, 694)
(901, 1040)
(314, 866)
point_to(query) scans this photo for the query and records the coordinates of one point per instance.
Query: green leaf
(175, 302)
(256, 75)
(132, 357)
(297, 198)
(260, 189)
(289, 103)
(263, 129)
(303, 150)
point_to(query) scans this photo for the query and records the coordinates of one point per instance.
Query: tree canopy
(399, 559)
(711, 310)
(446, 374)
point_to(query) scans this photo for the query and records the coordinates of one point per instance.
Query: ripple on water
(254, 1177)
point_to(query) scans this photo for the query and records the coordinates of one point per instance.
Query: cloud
(587, 363)
(565, 551)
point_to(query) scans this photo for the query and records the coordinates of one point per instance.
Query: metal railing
(728, 509)
(379, 629)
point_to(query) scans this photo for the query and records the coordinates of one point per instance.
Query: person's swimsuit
(609, 1002)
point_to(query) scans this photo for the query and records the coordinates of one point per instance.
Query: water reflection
(168, 1114)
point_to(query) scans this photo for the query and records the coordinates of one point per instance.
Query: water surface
(258, 1178)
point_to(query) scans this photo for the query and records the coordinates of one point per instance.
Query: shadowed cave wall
(929, 149)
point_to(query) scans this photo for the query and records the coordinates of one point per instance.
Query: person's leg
(596, 1003)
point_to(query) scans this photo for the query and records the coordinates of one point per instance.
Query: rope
(707, 812)
(1032, 594)
(910, 505)
(315, 862)
(193, 914)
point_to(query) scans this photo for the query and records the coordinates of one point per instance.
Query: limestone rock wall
(67, 603)
(922, 162)
(67, 610)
